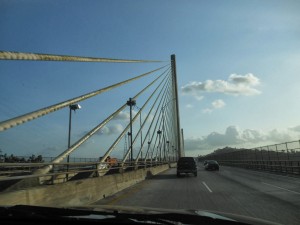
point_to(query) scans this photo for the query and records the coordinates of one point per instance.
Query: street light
(129, 134)
(73, 107)
(168, 143)
(173, 153)
(131, 103)
(159, 133)
(147, 153)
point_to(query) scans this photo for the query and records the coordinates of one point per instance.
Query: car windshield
(102, 100)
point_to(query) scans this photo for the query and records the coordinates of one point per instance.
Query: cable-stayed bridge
(151, 140)
(137, 167)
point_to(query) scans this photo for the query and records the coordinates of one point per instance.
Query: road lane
(229, 190)
(281, 188)
(206, 186)
(266, 183)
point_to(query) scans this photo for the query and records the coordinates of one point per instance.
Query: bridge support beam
(176, 107)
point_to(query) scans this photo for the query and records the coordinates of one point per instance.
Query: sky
(237, 66)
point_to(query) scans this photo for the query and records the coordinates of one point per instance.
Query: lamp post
(168, 143)
(159, 133)
(147, 154)
(131, 103)
(73, 107)
(129, 134)
(173, 151)
(163, 130)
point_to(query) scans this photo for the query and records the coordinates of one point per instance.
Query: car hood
(197, 212)
(115, 213)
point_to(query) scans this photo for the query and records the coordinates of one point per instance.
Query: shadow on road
(162, 177)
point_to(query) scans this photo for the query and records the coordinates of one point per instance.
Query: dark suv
(186, 165)
(211, 165)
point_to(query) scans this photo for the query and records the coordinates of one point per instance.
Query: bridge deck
(233, 190)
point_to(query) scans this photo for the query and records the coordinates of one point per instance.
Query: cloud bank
(296, 129)
(235, 137)
(108, 130)
(122, 116)
(234, 85)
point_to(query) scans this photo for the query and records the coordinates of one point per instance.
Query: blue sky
(237, 64)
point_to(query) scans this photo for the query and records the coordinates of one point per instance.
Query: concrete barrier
(78, 192)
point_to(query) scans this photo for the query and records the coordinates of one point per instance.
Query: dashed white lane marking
(206, 186)
(282, 188)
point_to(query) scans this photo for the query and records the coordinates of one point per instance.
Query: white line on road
(282, 188)
(206, 186)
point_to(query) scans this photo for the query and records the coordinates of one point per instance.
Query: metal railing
(282, 167)
(46, 159)
(64, 172)
(283, 158)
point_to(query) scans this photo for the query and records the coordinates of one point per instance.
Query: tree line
(17, 159)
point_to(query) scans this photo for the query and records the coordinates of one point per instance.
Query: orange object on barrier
(111, 161)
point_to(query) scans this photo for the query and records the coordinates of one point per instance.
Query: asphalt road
(261, 195)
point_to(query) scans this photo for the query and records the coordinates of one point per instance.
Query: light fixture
(75, 107)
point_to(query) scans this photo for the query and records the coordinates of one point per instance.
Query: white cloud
(248, 79)
(198, 97)
(189, 106)
(231, 136)
(217, 104)
(253, 136)
(279, 136)
(296, 128)
(122, 116)
(234, 137)
(235, 85)
(112, 129)
(125, 117)
(207, 110)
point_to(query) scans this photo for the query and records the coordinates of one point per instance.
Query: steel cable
(44, 111)
(145, 122)
(92, 132)
(6, 55)
(135, 117)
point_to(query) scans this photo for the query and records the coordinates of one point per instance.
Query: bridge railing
(46, 159)
(11, 173)
(282, 166)
(283, 158)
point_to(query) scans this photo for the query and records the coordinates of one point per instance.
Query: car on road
(212, 165)
(186, 165)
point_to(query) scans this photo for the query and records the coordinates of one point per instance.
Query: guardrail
(12, 173)
(283, 158)
(283, 167)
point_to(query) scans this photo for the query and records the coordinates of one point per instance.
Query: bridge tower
(176, 108)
